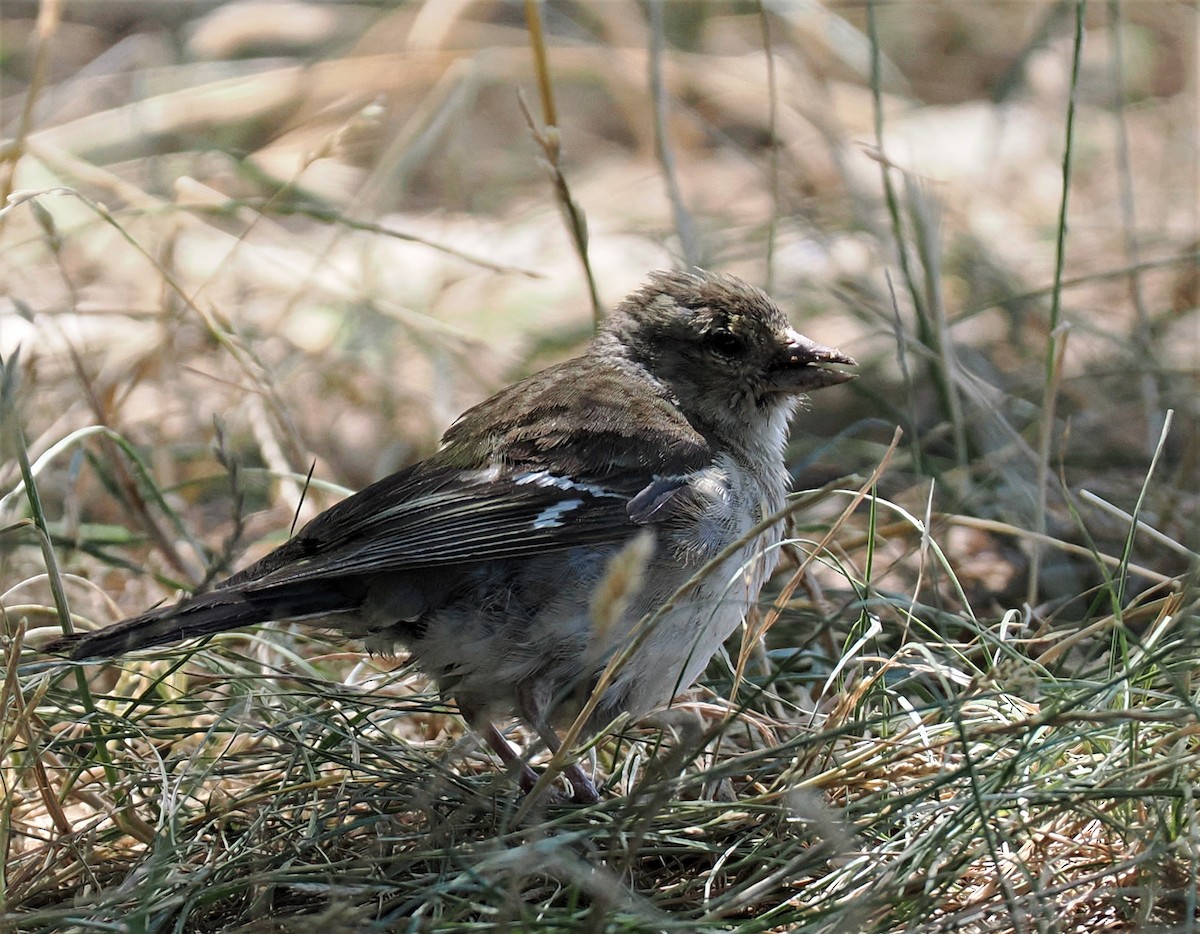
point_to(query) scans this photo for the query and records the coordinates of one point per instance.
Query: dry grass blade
(549, 140)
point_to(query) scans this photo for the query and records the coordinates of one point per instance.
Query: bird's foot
(583, 789)
(581, 784)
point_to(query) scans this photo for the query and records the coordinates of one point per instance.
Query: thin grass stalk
(1127, 551)
(891, 198)
(684, 227)
(541, 64)
(549, 140)
(279, 206)
(129, 489)
(1056, 345)
(906, 376)
(48, 18)
(22, 727)
(12, 439)
(755, 634)
(1143, 337)
(982, 811)
(642, 631)
(1159, 538)
(246, 360)
(925, 215)
(925, 306)
(1124, 271)
(764, 20)
(218, 333)
(7, 804)
(141, 472)
(1071, 548)
(645, 626)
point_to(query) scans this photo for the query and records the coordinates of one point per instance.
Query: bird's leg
(526, 776)
(533, 703)
(582, 787)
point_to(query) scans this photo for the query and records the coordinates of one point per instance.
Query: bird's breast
(729, 499)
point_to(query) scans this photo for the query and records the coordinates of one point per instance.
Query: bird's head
(724, 350)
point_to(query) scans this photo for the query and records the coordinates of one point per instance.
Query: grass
(952, 783)
(974, 710)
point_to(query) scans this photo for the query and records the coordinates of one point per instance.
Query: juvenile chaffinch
(482, 560)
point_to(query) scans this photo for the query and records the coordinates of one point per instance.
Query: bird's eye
(726, 343)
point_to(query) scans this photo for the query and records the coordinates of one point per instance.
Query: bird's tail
(204, 615)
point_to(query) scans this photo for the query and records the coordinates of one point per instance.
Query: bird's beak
(803, 366)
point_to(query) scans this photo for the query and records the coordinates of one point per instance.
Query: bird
(482, 560)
